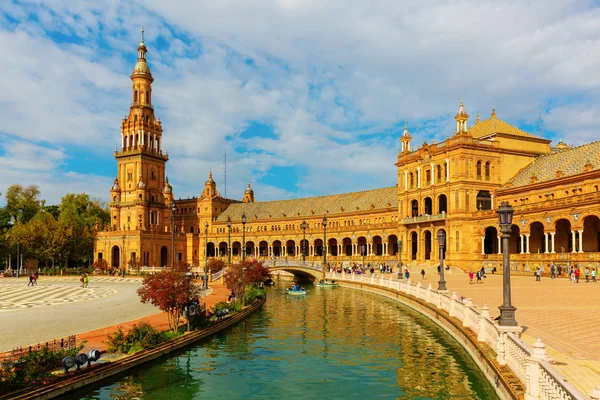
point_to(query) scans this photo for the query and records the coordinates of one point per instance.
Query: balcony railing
(434, 217)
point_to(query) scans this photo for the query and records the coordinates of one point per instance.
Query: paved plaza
(563, 314)
(59, 307)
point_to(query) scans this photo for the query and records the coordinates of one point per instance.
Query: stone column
(483, 245)
(522, 249)
(573, 241)
(432, 174)
(418, 177)
(527, 242)
(405, 180)
(552, 241)
(447, 170)
(580, 232)
(546, 237)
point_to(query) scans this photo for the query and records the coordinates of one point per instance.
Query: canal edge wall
(505, 383)
(99, 372)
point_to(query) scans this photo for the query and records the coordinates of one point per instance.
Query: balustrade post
(533, 370)
(428, 294)
(452, 310)
(418, 290)
(500, 347)
(372, 278)
(467, 312)
(438, 300)
(485, 315)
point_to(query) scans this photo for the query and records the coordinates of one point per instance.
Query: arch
(236, 249)
(377, 245)
(442, 204)
(164, 256)
(223, 249)
(116, 256)
(332, 247)
(591, 233)
(427, 206)
(263, 248)
(347, 246)
(563, 239)
(428, 245)
(414, 208)
(361, 246)
(392, 245)
(514, 243)
(318, 247)
(490, 242)
(249, 248)
(277, 248)
(537, 238)
(414, 241)
(484, 200)
(290, 248)
(210, 249)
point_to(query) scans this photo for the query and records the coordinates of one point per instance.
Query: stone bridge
(302, 269)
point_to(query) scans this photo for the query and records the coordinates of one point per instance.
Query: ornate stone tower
(461, 118)
(248, 195)
(405, 139)
(141, 196)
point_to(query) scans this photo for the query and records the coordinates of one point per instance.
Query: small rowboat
(326, 284)
(295, 292)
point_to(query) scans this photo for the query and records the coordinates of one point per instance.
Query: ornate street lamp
(243, 287)
(205, 277)
(507, 310)
(399, 259)
(363, 252)
(324, 241)
(243, 236)
(188, 278)
(442, 243)
(303, 226)
(123, 259)
(228, 241)
(173, 212)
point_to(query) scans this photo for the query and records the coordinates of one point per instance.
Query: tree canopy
(62, 233)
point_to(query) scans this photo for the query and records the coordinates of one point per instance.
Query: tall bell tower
(141, 195)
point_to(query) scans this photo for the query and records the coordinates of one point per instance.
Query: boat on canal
(325, 284)
(295, 290)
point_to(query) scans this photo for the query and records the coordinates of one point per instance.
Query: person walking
(587, 275)
(30, 280)
(470, 277)
(577, 274)
(85, 280)
(538, 274)
(552, 271)
(478, 276)
(406, 274)
(594, 272)
(422, 274)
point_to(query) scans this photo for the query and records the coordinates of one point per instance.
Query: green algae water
(333, 343)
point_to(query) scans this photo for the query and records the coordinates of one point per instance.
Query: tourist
(36, 275)
(577, 273)
(587, 275)
(538, 274)
(559, 270)
(594, 272)
(372, 270)
(422, 274)
(30, 280)
(572, 275)
(478, 276)
(85, 280)
(81, 279)
(470, 277)
(552, 271)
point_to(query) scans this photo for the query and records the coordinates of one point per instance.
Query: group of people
(574, 273)
(296, 287)
(84, 280)
(479, 275)
(33, 277)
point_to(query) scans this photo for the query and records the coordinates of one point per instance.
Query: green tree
(22, 203)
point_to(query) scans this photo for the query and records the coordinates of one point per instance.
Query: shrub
(254, 292)
(142, 336)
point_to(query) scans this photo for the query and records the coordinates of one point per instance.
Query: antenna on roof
(225, 169)
(540, 119)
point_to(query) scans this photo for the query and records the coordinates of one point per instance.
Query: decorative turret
(405, 139)
(167, 192)
(248, 195)
(115, 187)
(210, 187)
(115, 191)
(141, 184)
(461, 118)
(167, 188)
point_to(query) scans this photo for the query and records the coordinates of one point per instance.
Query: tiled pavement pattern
(16, 296)
(564, 315)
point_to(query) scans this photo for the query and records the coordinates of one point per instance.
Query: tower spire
(142, 33)
(461, 118)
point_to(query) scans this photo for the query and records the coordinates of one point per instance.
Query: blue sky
(306, 97)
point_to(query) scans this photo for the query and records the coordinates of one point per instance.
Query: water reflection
(333, 342)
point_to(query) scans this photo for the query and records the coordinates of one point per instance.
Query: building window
(99, 256)
(146, 258)
(130, 176)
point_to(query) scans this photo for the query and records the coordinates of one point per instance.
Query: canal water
(333, 343)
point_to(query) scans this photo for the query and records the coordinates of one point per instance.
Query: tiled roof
(494, 125)
(314, 206)
(571, 161)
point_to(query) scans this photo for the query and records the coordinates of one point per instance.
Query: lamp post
(123, 258)
(205, 277)
(363, 250)
(399, 259)
(442, 243)
(188, 278)
(173, 212)
(324, 244)
(507, 310)
(243, 236)
(228, 241)
(303, 226)
(243, 287)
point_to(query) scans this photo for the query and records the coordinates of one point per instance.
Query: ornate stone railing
(314, 265)
(541, 379)
(434, 217)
